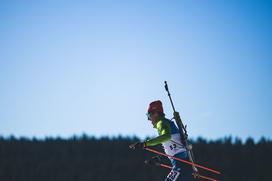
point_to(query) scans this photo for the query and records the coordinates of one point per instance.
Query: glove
(137, 145)
(153, 161)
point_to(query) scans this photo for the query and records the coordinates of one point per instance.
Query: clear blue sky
(68, 67)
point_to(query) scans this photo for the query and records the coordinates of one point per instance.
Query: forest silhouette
(86, 158)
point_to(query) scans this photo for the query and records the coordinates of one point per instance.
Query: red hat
(155, 106)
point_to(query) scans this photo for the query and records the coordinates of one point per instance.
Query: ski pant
(180, 171)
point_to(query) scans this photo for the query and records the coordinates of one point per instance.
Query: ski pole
(157, 163)
(182, 160)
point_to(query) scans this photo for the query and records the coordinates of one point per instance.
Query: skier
(170, 138)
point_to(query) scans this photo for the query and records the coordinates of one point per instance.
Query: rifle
(182, 131)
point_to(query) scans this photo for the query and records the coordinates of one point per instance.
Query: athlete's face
(153, 117)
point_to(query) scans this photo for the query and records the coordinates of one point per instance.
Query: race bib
(174, 146)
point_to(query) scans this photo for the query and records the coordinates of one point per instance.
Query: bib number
(173, 175)
(173, 146)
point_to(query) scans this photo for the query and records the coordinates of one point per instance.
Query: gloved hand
(155, 160)
(137, 145)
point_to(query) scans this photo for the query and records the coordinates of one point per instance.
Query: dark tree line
(90, 159)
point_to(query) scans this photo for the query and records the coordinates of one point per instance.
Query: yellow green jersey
(169, 137)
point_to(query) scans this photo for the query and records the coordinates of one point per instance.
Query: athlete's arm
(164, 130)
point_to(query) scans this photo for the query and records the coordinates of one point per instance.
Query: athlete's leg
(180, 171)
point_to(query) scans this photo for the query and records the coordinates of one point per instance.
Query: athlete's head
(155, 111)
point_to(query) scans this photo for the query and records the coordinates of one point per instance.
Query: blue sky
(73, 67)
